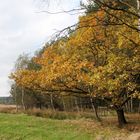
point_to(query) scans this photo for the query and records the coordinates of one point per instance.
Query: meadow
(24, 127)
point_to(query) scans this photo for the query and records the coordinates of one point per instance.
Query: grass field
(24, 127)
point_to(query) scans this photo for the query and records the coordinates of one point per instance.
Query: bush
(60, 115)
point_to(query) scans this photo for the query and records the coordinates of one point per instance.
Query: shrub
(61, 115)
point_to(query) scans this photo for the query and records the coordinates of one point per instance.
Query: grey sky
(23, 28)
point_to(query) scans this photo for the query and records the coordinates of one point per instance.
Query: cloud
(24, 29)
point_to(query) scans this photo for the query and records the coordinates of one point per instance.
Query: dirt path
(135, 136)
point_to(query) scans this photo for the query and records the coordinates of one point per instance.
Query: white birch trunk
(15, 96)
(22, 99)
(138, 8)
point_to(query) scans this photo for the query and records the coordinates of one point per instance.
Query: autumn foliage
(100, 59)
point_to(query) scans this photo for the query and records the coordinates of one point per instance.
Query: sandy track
(135, 136)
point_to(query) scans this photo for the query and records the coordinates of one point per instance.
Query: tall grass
(60, 115)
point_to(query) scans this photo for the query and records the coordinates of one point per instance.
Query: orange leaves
(66, 62)
(94, 55)
(24, 77)
(92, 19)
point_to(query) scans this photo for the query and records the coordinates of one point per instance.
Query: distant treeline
(6, 100)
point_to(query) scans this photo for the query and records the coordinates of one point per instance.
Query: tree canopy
(99, 59)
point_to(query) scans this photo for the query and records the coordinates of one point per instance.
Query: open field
(7, 108)
(3, 106)
(23, 127)
(63, 126)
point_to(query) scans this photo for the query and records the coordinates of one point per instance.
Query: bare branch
(99, 2)
(63, 11)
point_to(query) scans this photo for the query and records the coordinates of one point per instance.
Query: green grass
(23, 127)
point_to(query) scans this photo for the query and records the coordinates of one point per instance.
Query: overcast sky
(23, 28)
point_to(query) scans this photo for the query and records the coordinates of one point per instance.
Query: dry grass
(133, 120)
(100, 130)
(60, 115)
(7, 108)
(107, 121)
(107, 129)
(89, 120)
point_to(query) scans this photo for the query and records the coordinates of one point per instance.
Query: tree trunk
(131, 104)
(22, 99)
(76, 103)
(81, 107)
(15, 97)
(121, 117)
(138, 8)
(94, 107)
(63, 102)
(52, 104)
(71, 104)
(139, 107)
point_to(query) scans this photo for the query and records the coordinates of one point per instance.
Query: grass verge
(24, 127)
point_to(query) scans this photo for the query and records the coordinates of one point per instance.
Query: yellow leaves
(131, 86)
(92, 19)
(23, 77)
(94, 55)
